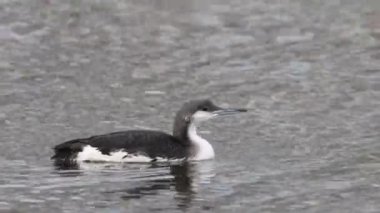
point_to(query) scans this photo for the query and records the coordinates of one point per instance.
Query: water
(309, 72)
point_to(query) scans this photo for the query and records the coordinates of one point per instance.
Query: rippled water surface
(309, 72)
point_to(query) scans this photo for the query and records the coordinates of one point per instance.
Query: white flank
(90, 153)
(203, 148)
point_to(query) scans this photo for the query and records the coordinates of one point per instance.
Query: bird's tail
(69, 149)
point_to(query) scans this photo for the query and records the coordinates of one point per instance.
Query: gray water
(309, 72)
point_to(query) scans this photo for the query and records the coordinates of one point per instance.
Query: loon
(147, 145)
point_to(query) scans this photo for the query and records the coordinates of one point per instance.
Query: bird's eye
(205, 109)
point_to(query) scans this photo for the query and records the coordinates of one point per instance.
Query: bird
(184, 144)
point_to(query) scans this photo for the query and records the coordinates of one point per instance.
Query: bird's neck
(202, 149)
(186, 133)
(180, 132)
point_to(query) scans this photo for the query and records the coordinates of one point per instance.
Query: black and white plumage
(145, 145)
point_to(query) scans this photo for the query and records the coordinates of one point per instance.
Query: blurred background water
(308, 70)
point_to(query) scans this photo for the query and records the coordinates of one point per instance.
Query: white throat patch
(203, 148)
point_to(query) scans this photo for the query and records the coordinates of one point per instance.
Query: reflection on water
(310, 69)
(182, 177)
(181, 181)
